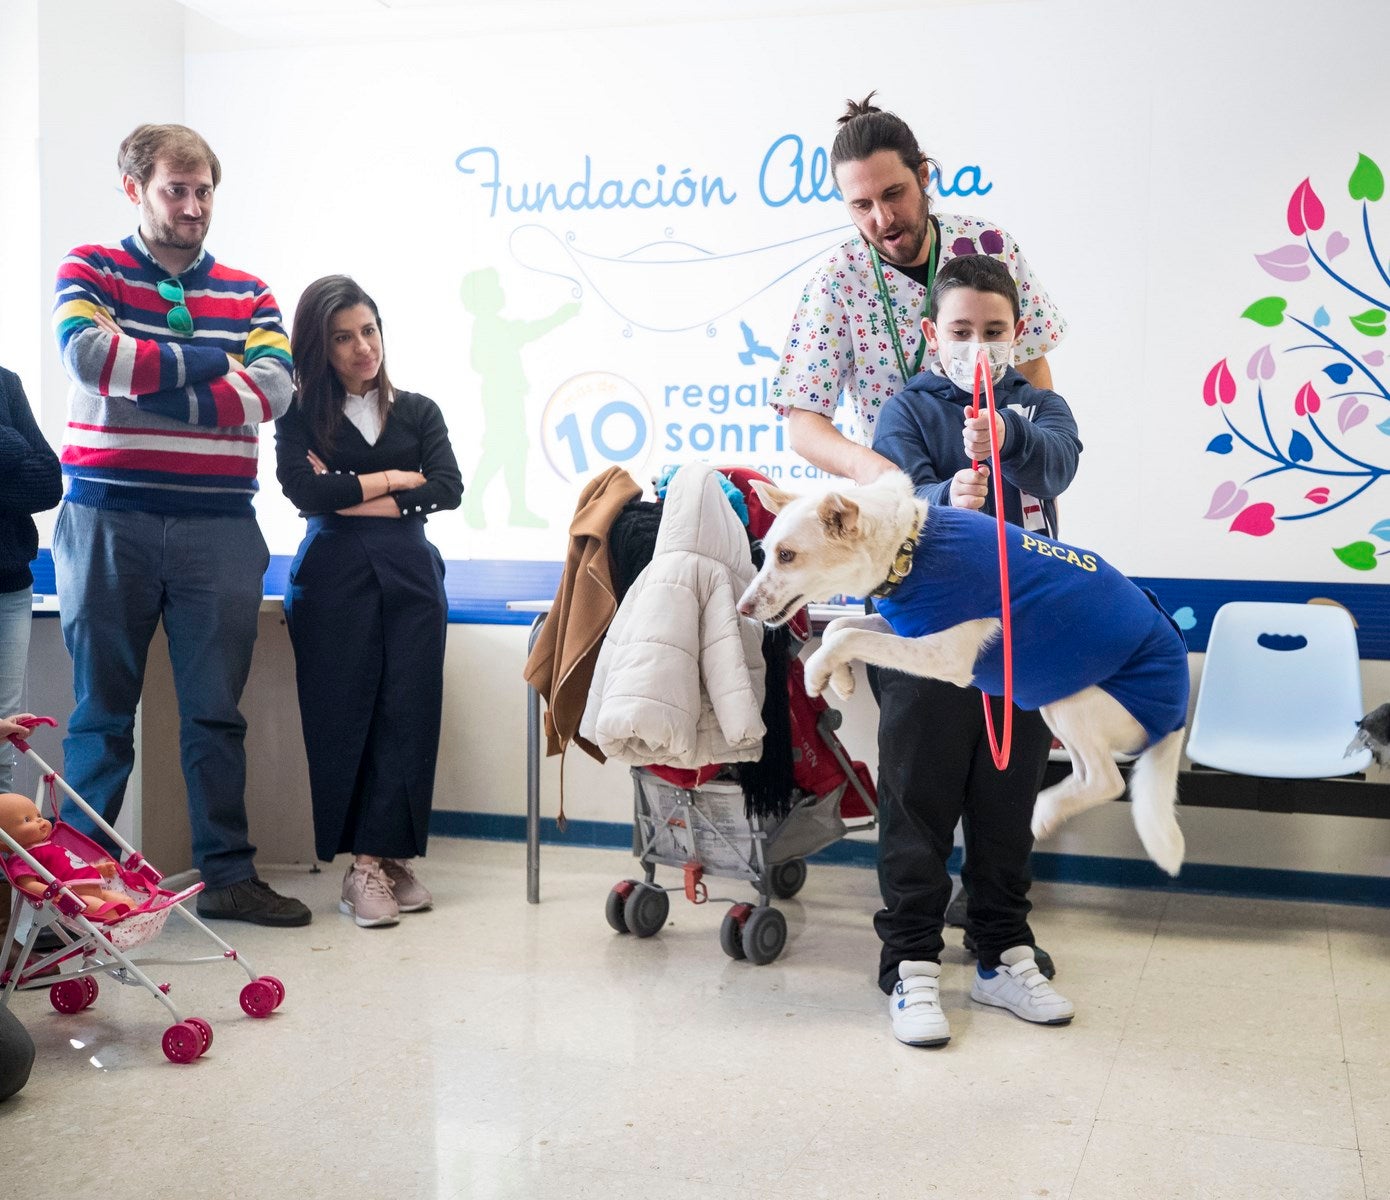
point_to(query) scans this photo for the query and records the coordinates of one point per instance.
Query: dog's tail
(1153, 793)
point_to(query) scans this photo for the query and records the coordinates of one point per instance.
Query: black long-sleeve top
(414, 438)
(30, 481)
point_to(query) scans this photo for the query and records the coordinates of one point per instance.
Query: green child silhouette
(496, 356)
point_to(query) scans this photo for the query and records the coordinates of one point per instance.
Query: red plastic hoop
(999, 753)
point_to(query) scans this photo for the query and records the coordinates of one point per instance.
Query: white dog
(1104, 664)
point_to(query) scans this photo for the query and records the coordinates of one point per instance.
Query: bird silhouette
(755, 348)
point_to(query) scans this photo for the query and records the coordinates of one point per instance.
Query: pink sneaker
(411, 894)
(367, 896)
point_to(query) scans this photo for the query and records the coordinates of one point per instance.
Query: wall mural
(683, 305)
(1314, 417)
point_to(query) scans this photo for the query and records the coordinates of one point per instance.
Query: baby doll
(20, 818)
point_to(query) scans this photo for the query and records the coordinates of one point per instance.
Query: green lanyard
(932, 259)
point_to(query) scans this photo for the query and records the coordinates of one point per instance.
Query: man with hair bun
(859, 331)
(175, 361)
(837, 339)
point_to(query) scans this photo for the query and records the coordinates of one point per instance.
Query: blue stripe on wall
(1202, 878)
(479, 589)
(1368, 603)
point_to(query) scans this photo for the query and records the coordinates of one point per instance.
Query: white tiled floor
(1222, 1049)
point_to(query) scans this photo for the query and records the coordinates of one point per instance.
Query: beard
(908, 248)
(175, 235)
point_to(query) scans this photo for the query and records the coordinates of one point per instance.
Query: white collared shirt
(363, 412)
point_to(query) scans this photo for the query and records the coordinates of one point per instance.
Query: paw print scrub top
(840, 340)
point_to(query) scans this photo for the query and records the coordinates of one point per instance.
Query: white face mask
(958, 361)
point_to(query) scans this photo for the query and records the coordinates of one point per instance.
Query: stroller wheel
(182, 1042)
(613, 906)
(646, 909)
(278, 987)
(89, 985)
(69, 996)
(204, 1031)
(787, 878)
(764, 935)
(731, 930)
(258, 998)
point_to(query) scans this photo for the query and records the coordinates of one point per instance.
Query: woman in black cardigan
(30, 481)
(365, 603)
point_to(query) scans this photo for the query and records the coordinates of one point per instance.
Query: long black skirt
(367, 617)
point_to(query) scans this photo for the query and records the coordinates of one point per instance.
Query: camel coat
(561, 663)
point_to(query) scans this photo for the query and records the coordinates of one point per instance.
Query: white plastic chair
(1281, 692)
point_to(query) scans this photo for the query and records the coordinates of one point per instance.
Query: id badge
(1033, 519)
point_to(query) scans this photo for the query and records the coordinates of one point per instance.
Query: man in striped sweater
(175, 360)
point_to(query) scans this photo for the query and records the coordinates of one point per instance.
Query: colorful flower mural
(1313, 421)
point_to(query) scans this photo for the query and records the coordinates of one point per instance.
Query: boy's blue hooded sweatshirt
(1077, 621)
(920, 430)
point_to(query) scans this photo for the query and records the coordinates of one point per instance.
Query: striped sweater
(157, 422)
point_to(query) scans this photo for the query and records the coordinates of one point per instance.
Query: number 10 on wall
(594, 421)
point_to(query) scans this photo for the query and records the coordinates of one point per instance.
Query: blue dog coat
(1077, 621)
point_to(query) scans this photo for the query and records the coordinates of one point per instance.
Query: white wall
(20, 301)
(1143, 154)
(1170, 141)
(482, 764)
(485, 772)
(66, 109)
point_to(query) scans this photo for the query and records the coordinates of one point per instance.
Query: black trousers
(368, 614)
(934, 771)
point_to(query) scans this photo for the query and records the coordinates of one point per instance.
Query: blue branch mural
(1345, 354)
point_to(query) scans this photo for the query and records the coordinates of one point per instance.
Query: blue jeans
(118, 573)
(16, 617)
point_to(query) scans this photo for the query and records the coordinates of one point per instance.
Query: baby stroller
(97, 942)
(696, 821)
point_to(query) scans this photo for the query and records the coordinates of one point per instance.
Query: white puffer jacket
(680, 678)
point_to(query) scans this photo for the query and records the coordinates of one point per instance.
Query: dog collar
(901, 568)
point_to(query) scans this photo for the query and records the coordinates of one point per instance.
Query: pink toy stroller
(692, 820)
(96, 943)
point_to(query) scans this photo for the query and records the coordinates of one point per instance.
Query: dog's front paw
(842, 680)
(819, 668)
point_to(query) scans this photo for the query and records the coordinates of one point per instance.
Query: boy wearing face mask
(935, 766)
(924, 429)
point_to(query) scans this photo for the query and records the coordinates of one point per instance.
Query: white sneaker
(1019, 986)
(915, 1005)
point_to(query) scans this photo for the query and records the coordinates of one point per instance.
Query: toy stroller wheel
(613, 907)
(646, 909)
(731, 930)
(182, 1042)
(787, 878)
(258, 998)
(89, 985)
(69, 996)
(204, 1031)
(764, 935)
(278, 987)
